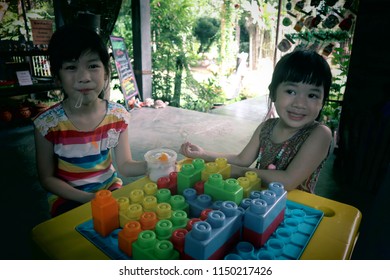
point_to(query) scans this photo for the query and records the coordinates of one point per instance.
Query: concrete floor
(226, 129)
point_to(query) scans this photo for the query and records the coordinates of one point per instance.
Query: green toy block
(189, 174)
(148, 247)
(224, 190)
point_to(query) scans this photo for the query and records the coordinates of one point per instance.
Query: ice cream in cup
(161, 162)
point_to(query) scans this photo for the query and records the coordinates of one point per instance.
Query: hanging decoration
(317, 24)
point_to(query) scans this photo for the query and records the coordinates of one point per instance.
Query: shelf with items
(21, 101)
(19, 109)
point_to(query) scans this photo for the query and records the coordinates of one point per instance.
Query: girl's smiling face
(83, 76)
(298, 104)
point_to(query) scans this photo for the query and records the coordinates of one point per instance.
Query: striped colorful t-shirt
(84, 157)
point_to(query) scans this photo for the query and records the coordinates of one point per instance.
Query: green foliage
(206, 30)
(204, 94)
(13, 26)
(172, 24)
(332, 109)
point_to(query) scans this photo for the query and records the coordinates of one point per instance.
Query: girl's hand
(191, 150)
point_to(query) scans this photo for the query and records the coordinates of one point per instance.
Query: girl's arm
(46, 164)
(245, 158)
(310, 155)
(124, 160)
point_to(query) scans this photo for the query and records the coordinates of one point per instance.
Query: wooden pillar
(142, 48)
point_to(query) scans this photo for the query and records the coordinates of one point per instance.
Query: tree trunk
(178, 82)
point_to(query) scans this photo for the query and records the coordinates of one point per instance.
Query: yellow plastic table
(334, 238)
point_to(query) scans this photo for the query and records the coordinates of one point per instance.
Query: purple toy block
(217, 235)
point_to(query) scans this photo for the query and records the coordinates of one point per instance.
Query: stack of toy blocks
(264, 212)
(224, 190)
(217, 235)
(168, 182)
(104, 212)
(192, 175)
(219, 166)
(149, 247)
(251, 182)
(189, 174)
(147, 209)
(154, 244)
(156, 224)
(197, 203)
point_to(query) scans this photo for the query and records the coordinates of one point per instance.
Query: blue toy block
(264, 214)
(288, 241)
(189, 174)
(225, 190)
(217, 235)
(197, 203)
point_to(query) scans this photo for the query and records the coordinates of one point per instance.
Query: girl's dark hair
(70, 42)
(301, 66)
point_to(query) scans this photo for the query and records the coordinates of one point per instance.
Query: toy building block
(178, 240)
(189, 174)
(264, 214)
(191, 222)
(149, 203)
(216, 236)
(173, 182)
(219, 166)
(179, 219)
(136, 196)
(131, 213)
(205, 213)
(163, 195)
(105, 212)
(249, 183)
(178, 202)
(197, 203)
(150, 188)
(128, 235)
(168, 182)
(123, 205)
(164, 229)
(148, 247)
(148, 220)
(199, 187)
(210, 168)
(225, 190)
(224, 168)
(163, 211)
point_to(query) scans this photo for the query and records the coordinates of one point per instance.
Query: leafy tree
(206, 30)
(172, 22)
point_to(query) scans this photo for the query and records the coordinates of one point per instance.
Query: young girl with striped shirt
(75, 137)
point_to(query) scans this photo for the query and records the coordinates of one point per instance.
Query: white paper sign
(24, 78)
